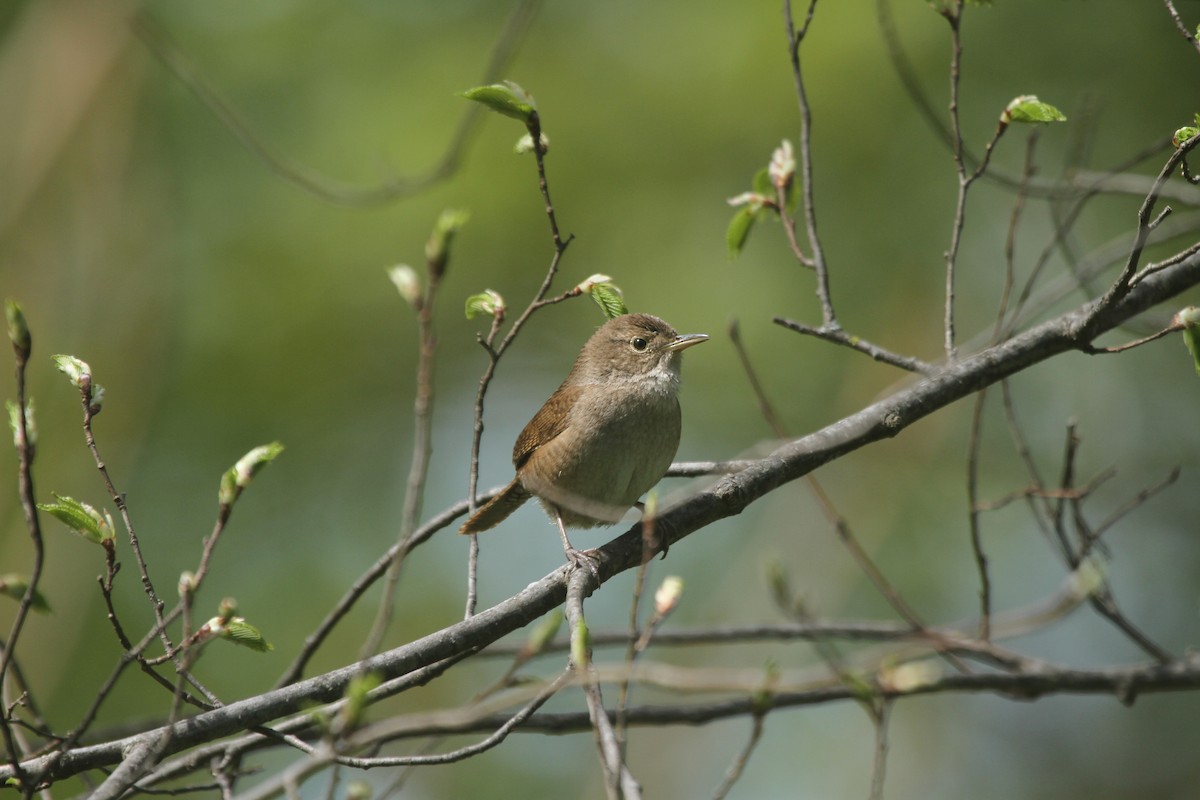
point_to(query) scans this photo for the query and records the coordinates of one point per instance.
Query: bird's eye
(639, 343)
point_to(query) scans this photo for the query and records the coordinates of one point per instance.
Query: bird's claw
(587, 559)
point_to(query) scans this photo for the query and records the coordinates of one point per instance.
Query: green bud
(238, 477)
(438, 246)
(505, 98)
(14, 422)
(407, 283)
(580, 645)
(18, 330)
(525, 144)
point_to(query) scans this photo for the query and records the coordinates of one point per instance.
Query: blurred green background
(223, 307)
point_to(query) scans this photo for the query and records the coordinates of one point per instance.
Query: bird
(605, 437)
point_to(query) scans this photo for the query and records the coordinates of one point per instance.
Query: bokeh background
(223, 307)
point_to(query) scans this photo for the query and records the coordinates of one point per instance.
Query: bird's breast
(618, 443)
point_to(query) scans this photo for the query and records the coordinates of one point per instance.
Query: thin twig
(795, 38)
(25, 456)
(1146, 223)
(840, 525)
(742, 758)
(1183, 28)
(974, 446)
(635, 644)
(881, 720)
(534, 126)
(618, 781)
(880, 354)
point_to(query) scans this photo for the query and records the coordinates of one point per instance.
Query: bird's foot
(588, 559)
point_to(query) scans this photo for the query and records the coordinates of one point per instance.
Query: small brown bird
(606, 436)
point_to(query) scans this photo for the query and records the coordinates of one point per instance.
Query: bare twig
(33, 525)
(618, 781)
(534, 127)
(1183, 28)
(974, 523)
(795, 39)
(880, 354)
(742, 758)
(881, 720)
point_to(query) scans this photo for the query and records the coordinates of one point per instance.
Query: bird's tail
(496, 509)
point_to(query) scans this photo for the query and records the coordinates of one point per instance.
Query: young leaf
(238, 477)
(1183, 134)
(606, 294)
(75, 369)
(240, 632)
(739, 230)
(95, 526)
(487, 303)
(1027, 108)
(1189, 318)
(505, 98)
(763, 185)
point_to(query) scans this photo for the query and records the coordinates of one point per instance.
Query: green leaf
(739, 230)
(487, 303)
(505, 98)
(15, 586)
(762, 183)
(606, 294)
(238, 477)
(77, 370)
(95, 526)
(1189, 320)
(1027, 108)
(240, 632)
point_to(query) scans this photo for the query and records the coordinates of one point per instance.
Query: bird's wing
(548, 423)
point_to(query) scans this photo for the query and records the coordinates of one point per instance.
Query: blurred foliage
(223, 306)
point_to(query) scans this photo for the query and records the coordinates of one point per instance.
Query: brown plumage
(605, 436)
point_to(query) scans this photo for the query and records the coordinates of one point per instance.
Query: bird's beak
(686, 340)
